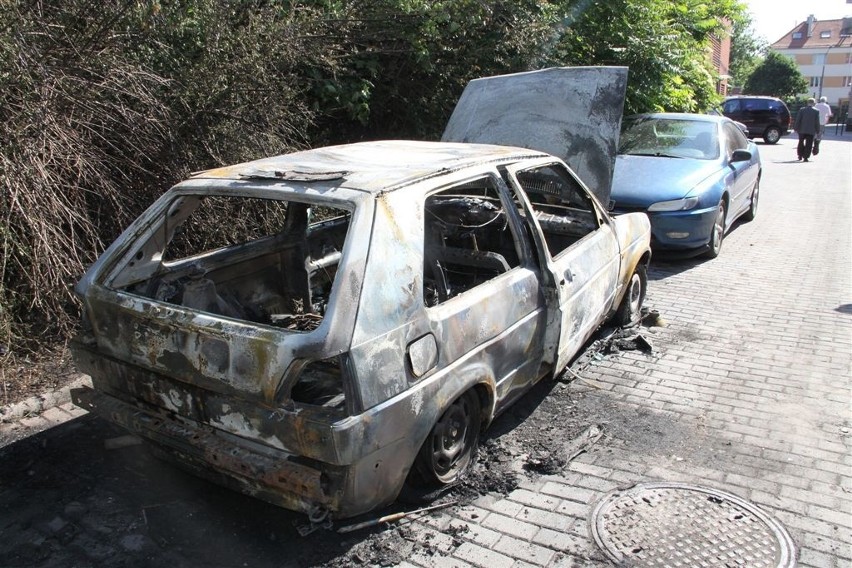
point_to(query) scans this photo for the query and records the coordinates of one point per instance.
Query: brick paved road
(748, 390)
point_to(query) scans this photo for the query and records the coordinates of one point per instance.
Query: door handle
(569, 276)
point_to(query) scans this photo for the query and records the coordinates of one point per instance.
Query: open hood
(573, 113)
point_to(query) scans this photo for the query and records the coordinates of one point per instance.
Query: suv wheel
(772, 135)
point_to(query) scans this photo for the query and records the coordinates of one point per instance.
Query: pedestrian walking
(806, 126)
(824, 115)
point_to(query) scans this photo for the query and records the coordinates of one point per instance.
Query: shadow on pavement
(67, 501)
(665, 264)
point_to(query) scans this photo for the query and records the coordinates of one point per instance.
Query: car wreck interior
(271, 262)
(468, 240)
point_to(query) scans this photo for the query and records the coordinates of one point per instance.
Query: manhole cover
(674, 524)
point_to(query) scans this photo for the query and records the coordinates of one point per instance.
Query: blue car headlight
(684, 204)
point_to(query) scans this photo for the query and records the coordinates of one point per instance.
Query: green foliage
(747, 51)
(778, 76)
(664, 43)
(405, 62)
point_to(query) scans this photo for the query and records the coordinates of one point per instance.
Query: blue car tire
(717, 234)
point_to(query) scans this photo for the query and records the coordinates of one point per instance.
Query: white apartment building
(822, 49)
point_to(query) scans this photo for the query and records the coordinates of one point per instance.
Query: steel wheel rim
(450, 440)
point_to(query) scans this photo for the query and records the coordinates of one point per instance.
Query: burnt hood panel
(573, 113)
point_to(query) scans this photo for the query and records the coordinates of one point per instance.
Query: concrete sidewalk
(38, 413)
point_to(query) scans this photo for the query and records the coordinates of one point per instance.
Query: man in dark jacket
(806, 126)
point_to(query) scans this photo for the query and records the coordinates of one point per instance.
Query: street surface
(748, 390)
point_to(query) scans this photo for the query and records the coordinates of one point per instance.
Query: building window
(797, 35)
(826, 33)
(847, 81)
(814, 82)
(819, 59)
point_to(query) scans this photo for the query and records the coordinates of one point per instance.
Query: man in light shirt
(824, 115)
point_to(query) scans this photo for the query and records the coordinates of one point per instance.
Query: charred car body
(354, 318)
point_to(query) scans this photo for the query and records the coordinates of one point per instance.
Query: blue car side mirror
(740, 156)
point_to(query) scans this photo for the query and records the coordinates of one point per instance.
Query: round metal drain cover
(680, 525)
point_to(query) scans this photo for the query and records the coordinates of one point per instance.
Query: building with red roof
(822, 49)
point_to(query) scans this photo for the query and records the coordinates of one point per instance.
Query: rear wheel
(718, 233)
(449, 449)
(772, 135)
(755, 195)
(630, 310)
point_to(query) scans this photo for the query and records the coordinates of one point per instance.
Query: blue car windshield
(669, 138)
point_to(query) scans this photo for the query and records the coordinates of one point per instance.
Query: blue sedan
(694, 175)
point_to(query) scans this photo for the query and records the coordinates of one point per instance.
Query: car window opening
(259, 260)
(563, 209)
(468, 240)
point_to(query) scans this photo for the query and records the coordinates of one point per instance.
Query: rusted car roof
(373, 167)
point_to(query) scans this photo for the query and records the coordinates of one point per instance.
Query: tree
(776, 76)
(747, 51)
(664, 43)
(412, 59)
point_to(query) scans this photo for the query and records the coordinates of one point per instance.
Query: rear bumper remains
(259, 471)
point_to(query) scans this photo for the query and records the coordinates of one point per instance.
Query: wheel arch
(726, 199)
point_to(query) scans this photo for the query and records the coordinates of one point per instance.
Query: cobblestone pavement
(747, 391)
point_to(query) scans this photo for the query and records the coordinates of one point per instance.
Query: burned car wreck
(319, 329)
(347, 323)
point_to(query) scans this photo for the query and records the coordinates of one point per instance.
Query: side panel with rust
(494, 326)
(633, 231)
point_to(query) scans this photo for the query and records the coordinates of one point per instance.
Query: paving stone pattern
(748, 389)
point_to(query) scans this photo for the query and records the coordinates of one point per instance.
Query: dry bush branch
(102, 106)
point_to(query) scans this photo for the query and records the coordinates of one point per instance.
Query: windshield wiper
(654, 154)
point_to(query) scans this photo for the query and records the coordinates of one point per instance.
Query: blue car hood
(639, 181)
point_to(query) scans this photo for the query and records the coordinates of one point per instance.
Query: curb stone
(40, 412)
(39, 403)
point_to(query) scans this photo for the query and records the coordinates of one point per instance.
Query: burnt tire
(451, 445)
(630, 309)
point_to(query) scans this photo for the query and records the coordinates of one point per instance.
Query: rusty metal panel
(274, 472)
(573, 113)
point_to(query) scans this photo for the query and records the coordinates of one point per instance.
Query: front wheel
(772, 135)
(718, 233)
(451, 445)
(630, 310)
